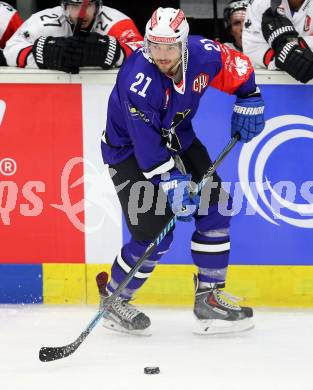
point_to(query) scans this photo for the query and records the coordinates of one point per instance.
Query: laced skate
(124, 317)
(218, 312)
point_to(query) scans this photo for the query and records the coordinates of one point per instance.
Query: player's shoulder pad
(111, 15)
(6, 12)
(258, 7)
(141, 80)
(47, 22)
(42, 17)
(204, 49)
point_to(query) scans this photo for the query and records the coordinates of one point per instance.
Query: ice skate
(121, 316)
(124, 317)
(218, 312)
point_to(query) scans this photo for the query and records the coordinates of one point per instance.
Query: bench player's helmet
(168, 26)
(233, 6)
(65, 3)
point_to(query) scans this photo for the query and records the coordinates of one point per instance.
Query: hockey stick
(81, 16)
(47, 354)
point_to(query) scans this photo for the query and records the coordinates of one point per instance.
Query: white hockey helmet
(233, 6)
(168, 26)
(64, 3)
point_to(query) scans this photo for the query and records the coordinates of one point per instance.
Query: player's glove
(178, 196)
(277, 29)
(248, 117)
(291, 51)
(2, 59)
(94, 49)
(51, 53)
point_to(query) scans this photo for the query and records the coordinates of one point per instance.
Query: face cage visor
(171, 46)
(65, 5)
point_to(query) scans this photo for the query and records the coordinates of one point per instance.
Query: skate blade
(111, 325)
(215, 327)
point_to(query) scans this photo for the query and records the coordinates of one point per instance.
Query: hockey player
(234, 16)
(278, 35)
(150, 109)
(46, 39)
(10, 22)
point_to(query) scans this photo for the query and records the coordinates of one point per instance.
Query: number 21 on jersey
(143, 87)
(209, 45)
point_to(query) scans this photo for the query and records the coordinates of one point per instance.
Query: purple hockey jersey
(150, 117)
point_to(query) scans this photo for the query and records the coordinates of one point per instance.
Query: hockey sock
(126, 260)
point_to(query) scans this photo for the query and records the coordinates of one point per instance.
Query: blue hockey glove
(178, 196)
(248, 117)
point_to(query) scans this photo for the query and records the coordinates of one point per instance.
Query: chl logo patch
(200, 82)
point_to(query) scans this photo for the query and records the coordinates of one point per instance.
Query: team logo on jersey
(170, 137)
(241, 66)
(127, 37)
(248, 24)
(307, 23)
(238, 67)
(136, 114)
(200, 82)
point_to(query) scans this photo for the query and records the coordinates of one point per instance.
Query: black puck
(152, 370)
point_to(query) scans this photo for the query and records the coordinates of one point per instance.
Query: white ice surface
(276, 355)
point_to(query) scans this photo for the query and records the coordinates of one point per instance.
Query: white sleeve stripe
(210, 248)
(127, 269)
(160, 169)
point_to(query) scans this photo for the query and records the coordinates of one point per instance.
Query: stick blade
(48, 354)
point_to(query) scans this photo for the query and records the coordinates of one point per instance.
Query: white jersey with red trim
(254, 44)
(10, 22)
(53, 22)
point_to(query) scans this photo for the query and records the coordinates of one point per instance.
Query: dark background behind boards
(141, 14)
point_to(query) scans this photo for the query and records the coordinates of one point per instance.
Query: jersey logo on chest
(170, 138)
(200, 82)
